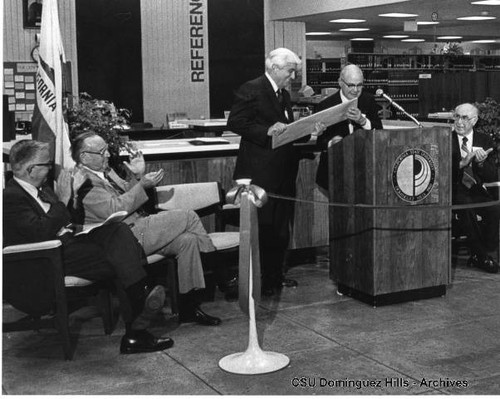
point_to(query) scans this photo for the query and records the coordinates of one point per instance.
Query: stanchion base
(250, 362)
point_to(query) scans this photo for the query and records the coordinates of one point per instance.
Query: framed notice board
(19, 86)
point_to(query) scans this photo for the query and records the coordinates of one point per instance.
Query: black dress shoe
(199, 316)
(289, 283)
(487, 264)
(141, 341)
(153, 302)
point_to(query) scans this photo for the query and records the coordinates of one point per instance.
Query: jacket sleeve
(245, 119)
(99, 202)
(22, 224)
(487, 171)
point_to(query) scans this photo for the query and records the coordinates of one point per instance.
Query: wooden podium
(396, 247)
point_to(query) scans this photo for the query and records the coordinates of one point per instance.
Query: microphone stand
(400, 108)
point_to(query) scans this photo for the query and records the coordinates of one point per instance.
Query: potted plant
(102, 117)
(489, 121)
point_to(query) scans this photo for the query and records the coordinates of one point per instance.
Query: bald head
(465, 117)
(351, 81)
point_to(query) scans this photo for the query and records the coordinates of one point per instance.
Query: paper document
(113, 218)
(305, 126)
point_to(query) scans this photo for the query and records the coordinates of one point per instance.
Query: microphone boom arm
(380, 93)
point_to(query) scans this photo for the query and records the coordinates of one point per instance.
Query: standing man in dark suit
(32, 212)
(364, 116)
(473, 164)
(261, 109)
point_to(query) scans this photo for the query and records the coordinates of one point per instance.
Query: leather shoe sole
(141, 341)
(155, 299)
(200, 317)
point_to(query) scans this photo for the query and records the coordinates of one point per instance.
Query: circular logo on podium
(413, 175)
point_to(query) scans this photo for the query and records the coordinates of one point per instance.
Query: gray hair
(25, 151)
(282, 56)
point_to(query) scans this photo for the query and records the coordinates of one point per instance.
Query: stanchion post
(254, 360)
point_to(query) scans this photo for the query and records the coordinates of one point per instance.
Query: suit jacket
(486, 173)
(24, 220)
(88, 256)
(255, 109)
(366, 104)
(96, 199)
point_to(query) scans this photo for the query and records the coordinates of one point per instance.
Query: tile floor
(336, 345)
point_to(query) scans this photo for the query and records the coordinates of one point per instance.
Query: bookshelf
(400, 76)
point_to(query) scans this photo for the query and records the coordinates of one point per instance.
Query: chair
(206, 199)
(34, 283)
(459, 236)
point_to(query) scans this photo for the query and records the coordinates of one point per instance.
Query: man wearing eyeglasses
(32, 213)
(364, 116)
(99, 192)
(473, 164)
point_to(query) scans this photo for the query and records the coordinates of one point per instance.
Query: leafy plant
(102, 117)
(489, 119)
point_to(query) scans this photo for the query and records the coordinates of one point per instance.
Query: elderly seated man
(33, 213)
(473, 165)
(99, 192)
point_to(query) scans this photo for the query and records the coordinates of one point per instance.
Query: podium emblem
(413, 175)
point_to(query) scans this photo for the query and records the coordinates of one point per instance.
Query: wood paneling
(380, 251)
(166, 55)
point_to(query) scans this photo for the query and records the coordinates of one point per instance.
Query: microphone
(380, 93)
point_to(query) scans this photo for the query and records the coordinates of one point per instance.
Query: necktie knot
(46, 196)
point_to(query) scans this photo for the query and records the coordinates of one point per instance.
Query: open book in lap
(113, 218)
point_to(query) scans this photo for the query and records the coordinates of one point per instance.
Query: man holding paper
(262, 109)
(363, 116)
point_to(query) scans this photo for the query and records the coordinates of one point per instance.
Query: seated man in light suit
(33, 213)
(102, 192)
(473, 164)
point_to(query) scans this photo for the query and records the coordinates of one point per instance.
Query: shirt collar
(30, 188)
(95, 172)
(469, 137)
(273, 83)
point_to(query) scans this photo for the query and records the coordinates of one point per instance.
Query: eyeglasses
(101, 153)
(352, 85)
(463, 118)
(47, 164)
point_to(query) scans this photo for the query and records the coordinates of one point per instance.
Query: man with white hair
(473, 164)
(261, 109)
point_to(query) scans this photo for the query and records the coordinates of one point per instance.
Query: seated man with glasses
(473, 163)
(364, 116)
(99, 192)
(32, 213)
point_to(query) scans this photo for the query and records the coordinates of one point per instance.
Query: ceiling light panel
(476, 18)
(427, 23)
(398, 15)
(354, 29)
(450, 37)
(487, 2)
(413, 40)
(395, 36)
(347, 21)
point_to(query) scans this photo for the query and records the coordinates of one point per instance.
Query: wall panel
(166, 53)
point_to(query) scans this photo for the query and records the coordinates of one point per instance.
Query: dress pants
(105, 252)
(179, 233)
(483, 239)
(274, 234)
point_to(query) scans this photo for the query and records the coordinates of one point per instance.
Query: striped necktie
(468, 179)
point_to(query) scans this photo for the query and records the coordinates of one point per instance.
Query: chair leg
(106, 310)
(62, 321)
(173, 285)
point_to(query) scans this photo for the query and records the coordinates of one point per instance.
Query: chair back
(204, 198)
(30, 284)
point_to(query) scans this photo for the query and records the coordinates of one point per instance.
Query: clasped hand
(479, 154)
(355, 115)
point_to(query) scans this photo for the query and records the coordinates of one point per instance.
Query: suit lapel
(36, 206)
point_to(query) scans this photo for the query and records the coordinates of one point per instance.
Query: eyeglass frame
(47, 164)
(463, 118)
(101, 153)
(352, 85)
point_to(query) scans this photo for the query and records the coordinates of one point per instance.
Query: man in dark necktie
(262, 108)
(177, 232)
(473, 164)
(32, 213)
